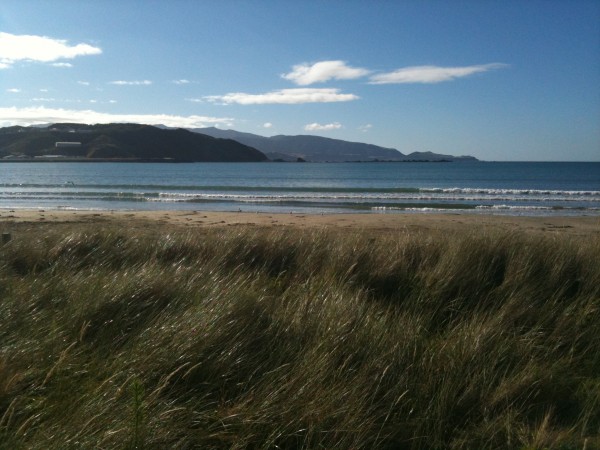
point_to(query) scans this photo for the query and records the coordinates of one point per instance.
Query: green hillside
(121, 142)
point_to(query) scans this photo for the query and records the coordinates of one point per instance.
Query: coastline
(373, 223)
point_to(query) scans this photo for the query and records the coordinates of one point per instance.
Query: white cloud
(62, 64)
(195, 100)
(43, 99)
(15, 48)
(132, 83)
(283, 96)
(37, 115)
(305, 74)
(318, 127)
(13, 90)
(430, 74)
(365, 128)
(181, 81)
(267, 125)
(43, 90)
(84, 83)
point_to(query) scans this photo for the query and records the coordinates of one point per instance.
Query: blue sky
(499, 80)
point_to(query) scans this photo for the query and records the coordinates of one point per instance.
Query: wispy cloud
(305, 74)
(15, 48)
(430, 74)
(327, 127)
(181, 81)
(37, 115)
(84, 83)
(283, 96)
(62, 64)
(365, 128)
(13, 90)
(43, 99)
(267, 125)
(131, 83)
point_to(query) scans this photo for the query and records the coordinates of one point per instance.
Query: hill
(129, 142)
(321, 149)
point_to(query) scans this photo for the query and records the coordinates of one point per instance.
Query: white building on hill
(67, 144)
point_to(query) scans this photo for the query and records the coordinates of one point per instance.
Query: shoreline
(374, 223)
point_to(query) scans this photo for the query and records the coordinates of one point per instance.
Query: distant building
(67, 144)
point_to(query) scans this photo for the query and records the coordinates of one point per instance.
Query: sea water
(517, 188)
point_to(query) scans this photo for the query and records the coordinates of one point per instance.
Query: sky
(499, 80)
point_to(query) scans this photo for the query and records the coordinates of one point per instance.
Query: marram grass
(269, 338)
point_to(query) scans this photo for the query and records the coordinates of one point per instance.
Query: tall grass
(271, 338)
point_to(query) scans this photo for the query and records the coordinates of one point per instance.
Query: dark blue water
(476, 187)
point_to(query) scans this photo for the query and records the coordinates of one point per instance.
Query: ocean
(514, 188)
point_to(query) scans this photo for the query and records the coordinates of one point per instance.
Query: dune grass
(278, 338)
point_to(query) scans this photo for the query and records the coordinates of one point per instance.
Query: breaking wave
(312, 188)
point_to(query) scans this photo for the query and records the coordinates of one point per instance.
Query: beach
(371, 223)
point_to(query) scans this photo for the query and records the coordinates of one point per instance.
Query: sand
(576, 226)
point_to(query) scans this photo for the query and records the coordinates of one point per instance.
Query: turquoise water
(475, 187)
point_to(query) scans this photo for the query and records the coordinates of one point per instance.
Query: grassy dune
(277, 338)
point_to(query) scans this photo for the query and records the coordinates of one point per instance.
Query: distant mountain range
(321, 149)
(134, 142)
(127, 142)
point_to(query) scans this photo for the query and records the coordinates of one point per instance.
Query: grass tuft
(273, 338)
